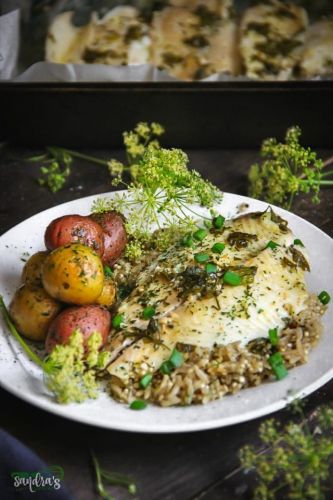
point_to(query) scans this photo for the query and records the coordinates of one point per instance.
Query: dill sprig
(71, 370)
(136, 142)
(287, 169)
(56, 169)
(293, 460)
(160, 196)
(112, 478)
(57, 161)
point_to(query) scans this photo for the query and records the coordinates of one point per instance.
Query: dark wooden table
(165, 467)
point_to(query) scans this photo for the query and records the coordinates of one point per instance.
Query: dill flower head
(167, 170)
(70, 370)
(287, 169)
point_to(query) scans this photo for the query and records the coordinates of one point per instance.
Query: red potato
(88, 319)
(74, 229)
(115, 237)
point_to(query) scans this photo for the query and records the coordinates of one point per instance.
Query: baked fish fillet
(271, 39)
(119, 37)
(195, 39)
(317, 55)
(201, 309)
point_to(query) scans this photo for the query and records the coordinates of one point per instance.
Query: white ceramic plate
(22, 378)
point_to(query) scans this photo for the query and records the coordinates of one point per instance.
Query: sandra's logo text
(44, 480)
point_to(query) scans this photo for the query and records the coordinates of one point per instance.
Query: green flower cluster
(160, 197)
(135, 141)
(295, 460)
(56, 170)
(71, 370)
(287, 169)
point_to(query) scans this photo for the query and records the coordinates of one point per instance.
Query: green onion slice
(148, 312)
(200, 234)
(232, 279)
(138, 404)
(273, 336)
(211, 268)
(117, 320)
(218, 247)
(175, 361)
(271, 244)
(218, 222)
(166, 368)
(299, 242)
(324, 297)
(278, 367)
(176, 358)
(188, 241)
(201, 257)
(146, 380)
(108, 271)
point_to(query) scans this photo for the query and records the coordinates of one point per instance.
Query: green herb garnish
(287, 169)
(117, 321)
(211, 268)
(108, 271)
(231, 278)
(271, 244)
(298, 242)
(166, 368)
(277, 364)
(218, 247)
(201, 257)
(176, 358)
(324, 297)
(188, 241)
(200, 234)
(112, 478)
(273, 336)
(148, 312)
(175, 361)
(146, 380)
(293, 461)
(70, 370)
(241, 240)
(218, 221)
(56, 170)
(138, 404)
(161, 193)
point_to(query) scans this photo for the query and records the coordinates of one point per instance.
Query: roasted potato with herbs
(33, 310)
(74, 229)
(108, 295)
(115, 237)
(32, 271)
(87, 319)
(74, 274)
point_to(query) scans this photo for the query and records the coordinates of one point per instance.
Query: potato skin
(32, 271)
(33, 310)
(108, 295)
(74, 229)
(115, 237)
(73, 274)
(88, 319)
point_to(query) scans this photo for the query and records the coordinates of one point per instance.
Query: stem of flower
(326, 174)
(99, 483)
(83, 156)
(328, 162)
(325, 183)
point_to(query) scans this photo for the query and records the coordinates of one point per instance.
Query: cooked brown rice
(207, 375)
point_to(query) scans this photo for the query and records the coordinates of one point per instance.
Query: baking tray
(196, 115)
